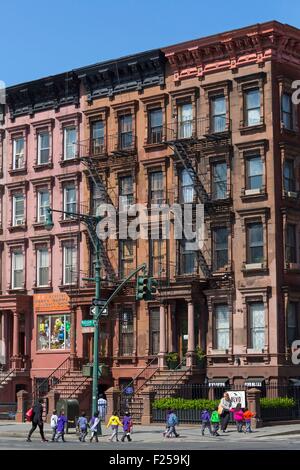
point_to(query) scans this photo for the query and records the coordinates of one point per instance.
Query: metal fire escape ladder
(94, 175)
(181, 152)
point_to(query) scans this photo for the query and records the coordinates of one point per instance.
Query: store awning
(217, 382)
(254, 382)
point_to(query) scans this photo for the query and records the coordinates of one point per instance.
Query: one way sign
(104, 313)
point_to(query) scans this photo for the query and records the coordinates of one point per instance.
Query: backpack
(29, 415)
(172, 420)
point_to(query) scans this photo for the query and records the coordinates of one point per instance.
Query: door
(182, 332)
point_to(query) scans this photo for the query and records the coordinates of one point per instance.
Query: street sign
(100, 303)
(87, 323)
(88, 329)
(103, 314)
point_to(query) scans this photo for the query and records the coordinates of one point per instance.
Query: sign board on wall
(237, 396)
(56, 302)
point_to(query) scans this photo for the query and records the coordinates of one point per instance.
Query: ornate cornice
(232, 50)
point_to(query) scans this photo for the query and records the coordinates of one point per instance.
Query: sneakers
(28, 439)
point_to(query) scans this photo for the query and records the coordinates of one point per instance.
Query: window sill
(53, 351)
(71, 161)
(39, 225)
(64, 287)
(19, 171)
(253, 268)
(17, 228)
(252, 129)
(42, 166)
(69, 221)
(20, 290)
(159, 146)
(42, 288)
(253, 195)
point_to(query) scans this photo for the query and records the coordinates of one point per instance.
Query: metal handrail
(37, 389)
(86, 379)
(201, 128)
(139, 374)
(8, 375)
(174, 384)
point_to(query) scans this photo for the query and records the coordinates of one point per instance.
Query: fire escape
(189, 142)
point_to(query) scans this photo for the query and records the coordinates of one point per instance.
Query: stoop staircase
(6, 377)
(73, 385)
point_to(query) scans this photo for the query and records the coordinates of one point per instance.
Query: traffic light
(141, 288)
(152, 288)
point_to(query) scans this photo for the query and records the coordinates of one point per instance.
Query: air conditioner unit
(292, 194)
(20, 221)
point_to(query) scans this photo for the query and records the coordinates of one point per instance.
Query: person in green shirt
(215, 421)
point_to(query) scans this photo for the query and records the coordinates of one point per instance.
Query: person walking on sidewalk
(226, 406)
(205, 420)
(102, 407)
(61, 423)
(247, 417)
(82, 425)
(94, 423)
(37, 421)
(172, 423)
(127, 426)
(215, 421)
(53, 423)
(114, 422)
(238, 416)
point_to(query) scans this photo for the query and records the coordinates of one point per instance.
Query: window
(43, 148)
(17, 270)
(69, 264)
(185, 121)
(18, 209)
(126, 257)
(257, 326)
(221, 327)
(289, 175)
(126, 332)
(53, 332)
(97, 137)
(155, 126)
(18, 153)
(43, 204)
(70, 141)
(125, 131)
(255, 243)
(98, 197)
(218, 114)
(220, 247)
(186, 186)
(69, 200)
(154, 331)
(287, 111)
(42, 267)
(254, 172)
(125, 192)
(219, 180)
(188, 258)
(252, 107)
(157, 257)
(156, 187)
(290, 248)
(292, 323)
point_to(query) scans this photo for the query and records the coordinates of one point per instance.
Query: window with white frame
(126, 332)
(53, 332)
(185, 120)
(17, 272)
(42, 267)
(43, 147)
(156, 181)
(69, 200)
(218, 113)
(97, 136)
(18, 209)
(154, 328)
(257, 326)
(126, 257)
(252, 107)
(125, 192)
(18, 153)
(292, 322)
(69, 264)
(43, 204)
(186, 186)
(287, 111)
(254, 172)
(221, 323)
(125, 131)
(70, 141)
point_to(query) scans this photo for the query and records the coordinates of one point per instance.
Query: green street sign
(87, 323)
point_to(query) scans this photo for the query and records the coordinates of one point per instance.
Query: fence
(278, 402)
(8, 410)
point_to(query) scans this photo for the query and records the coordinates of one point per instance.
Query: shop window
(53, 332)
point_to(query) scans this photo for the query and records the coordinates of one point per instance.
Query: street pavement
(282, 437)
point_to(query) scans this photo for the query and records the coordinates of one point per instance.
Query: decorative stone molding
(248, 82)
(13, 133)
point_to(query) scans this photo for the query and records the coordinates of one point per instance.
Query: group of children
(58, 425)
(240, 416)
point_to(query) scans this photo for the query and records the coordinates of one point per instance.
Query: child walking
(215, 421)
(127, 426)
(61, 423)
(114, 422)
(53, 422)
(205, 419)
(82, 425)
(172, 423)
(94, 426)
(238, 416)
(169, 411)
(247, 417)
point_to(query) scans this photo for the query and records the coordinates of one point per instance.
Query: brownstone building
(209, 121)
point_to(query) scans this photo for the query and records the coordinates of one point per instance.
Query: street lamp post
(91, 223)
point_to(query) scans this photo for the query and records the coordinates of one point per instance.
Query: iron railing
(199, 128)
(10, 373)
(44, 387)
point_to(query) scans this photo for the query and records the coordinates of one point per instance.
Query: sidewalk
(151, 433)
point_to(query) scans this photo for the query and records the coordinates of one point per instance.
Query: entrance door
(182, 332)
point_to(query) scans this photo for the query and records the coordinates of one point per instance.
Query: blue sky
(41, 38)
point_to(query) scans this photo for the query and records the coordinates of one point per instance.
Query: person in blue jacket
(61, 423)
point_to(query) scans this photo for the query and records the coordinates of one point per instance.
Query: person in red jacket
(238, 416)
(247, 417)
